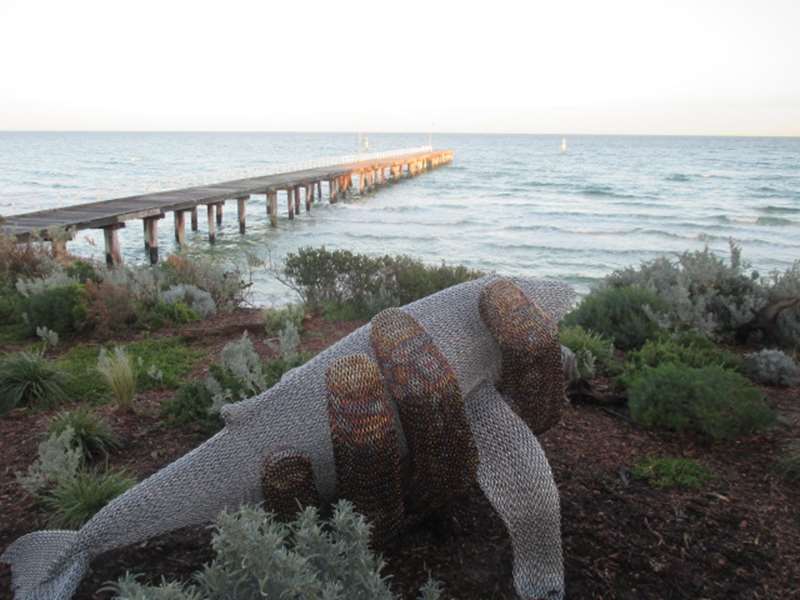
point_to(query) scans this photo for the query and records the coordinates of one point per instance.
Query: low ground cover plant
(276, 318)
(713, 401)
(258, 557)
(684, 348)
(668, 472)
(30, 379)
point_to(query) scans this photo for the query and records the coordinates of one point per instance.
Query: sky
(700, 67)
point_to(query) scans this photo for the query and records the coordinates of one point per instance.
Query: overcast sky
(563, 66)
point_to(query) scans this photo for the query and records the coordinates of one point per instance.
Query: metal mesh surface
(336, 397)
(288, 483)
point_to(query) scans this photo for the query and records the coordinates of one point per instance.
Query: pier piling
(241, 208)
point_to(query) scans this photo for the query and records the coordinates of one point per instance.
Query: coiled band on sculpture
(531, 370)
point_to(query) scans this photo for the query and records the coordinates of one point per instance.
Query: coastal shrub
(75, 500)
(241, 361)
(191, 406)
(29, 379)
(672, 472)
(61, 308)
(260, 557)
(160, 314)
(58, 458)
(711, 400)
(24, 260)
(331, 279)
(116, 369)
(91, 434)
(627, 315)
(277, 367)
(226, 284)
(276, 318)
(83, 271)
(784, 293)
(788, 466)
(110, 308)
(772, 367)
(703, 292)
(594, 353)
(690, 349)
(198, 301)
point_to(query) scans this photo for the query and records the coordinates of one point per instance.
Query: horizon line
(377, 132)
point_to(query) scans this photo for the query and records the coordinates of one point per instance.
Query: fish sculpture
(400, 417)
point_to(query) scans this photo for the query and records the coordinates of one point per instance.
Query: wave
(774, 221)
(779, 210)
(677, 177)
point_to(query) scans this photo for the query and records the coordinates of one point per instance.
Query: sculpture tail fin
(41, 565)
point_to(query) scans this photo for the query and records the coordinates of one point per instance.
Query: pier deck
(111, 215)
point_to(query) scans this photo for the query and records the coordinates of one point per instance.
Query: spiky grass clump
(117, 369)
(29, 379)
(75, 500)
(92, 435)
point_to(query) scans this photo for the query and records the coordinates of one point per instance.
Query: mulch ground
(738, 537)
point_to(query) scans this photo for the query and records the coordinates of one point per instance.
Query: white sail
(563, 145)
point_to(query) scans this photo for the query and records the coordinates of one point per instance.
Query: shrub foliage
(262, 558)
(711, 400)
(627, 315)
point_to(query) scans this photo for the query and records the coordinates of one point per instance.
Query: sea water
(514, 204)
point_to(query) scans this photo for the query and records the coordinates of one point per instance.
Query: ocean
(514, 204)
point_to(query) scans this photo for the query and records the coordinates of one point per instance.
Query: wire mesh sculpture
(399, 417)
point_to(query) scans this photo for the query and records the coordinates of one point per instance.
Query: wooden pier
(301, 187)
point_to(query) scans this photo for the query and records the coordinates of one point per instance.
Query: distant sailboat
(563, 145)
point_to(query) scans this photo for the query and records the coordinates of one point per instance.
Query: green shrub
(672, 472)
(29, 379)
(276, 318)
(686, 348)
(161, 313)
(61, 308)
(331, 279)
(91, 434)
(789, 464)
(626, 315)
(116, 369)
(191, 406)
(82, 271)
(73, 501)
(260, 557)
(225, 283)
(277, 367)
(594, 353)
(714, 401)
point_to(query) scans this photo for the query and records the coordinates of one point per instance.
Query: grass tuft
(29, 379)
(116, 369)
(672, 472)
(91, 434)
(75, 500)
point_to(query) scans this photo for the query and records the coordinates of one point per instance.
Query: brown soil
(739, 537)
